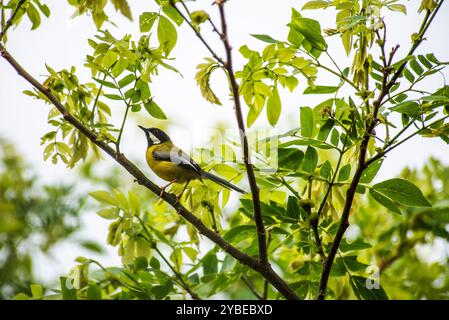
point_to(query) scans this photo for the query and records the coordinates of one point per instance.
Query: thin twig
(251, 288)
(153, 244)
(261, 233)
(10, 21)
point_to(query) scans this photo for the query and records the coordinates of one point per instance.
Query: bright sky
(62, 42)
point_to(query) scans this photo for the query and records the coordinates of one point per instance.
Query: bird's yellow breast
(168, 170)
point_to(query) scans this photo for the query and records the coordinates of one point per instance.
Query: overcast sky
(62, 42)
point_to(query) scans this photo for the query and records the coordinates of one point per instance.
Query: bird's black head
(155, 135)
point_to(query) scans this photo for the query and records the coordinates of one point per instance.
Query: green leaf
(240, 233)
(103, 196)
(274, 107)
(357, 244)
(387, 203)
(326, 170)
(109, 213)
(166, 34)
(161, 292)
(344, 173)
(310, 29)
(109, 59)
(34, 16)
(335, 137)
(402, 191)
(310, 160)
(370, 172)
(202, 78)
(113, 96)
(290, 158)
(155, 264)
(321, 90)
(67, 293)
(44, 9)
(307, 122)
(123, 7)
(325, 129)
(409, 76)
(93, 292)
(146, 21)
(126, 80)
(264, 38)
(105, 83)
(210, 264)
(416, 67)
(154, 110)
(424, 61)
(119, 67)
(398, 7)
(173, 14)
(317, 4)
(292, 208)
(37, 291)
(92, 246)
(360, 287)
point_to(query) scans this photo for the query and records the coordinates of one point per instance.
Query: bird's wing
(177, 156)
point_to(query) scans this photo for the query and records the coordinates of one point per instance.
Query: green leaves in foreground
(202, 78)
(398, 190)
(306, 33)
(361, 288)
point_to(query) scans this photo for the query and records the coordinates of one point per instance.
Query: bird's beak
(143, 128)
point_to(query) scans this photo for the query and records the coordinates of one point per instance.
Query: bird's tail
(221, 181)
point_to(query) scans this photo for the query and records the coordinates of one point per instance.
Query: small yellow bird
(174, 165)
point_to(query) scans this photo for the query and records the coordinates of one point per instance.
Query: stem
(128, 106)
(92, 113)
(265, 290)
(251, 287)
(386, 150)
(2, 26)
(197, 32)
(340, 75)
(184, 285)
(10, 21)
(266, 271)
(422, 30)
(261, 234)
(119, 138)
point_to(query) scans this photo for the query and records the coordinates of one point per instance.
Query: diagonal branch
(266, 271)
(261, 234)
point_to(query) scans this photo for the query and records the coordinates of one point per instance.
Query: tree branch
(362, 163)
(261, 233)
(266, 271)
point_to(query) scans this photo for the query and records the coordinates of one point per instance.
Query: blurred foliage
(34, 218)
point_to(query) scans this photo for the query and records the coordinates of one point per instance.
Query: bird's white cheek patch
(154, 139)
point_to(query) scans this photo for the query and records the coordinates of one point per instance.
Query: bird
(174, 165)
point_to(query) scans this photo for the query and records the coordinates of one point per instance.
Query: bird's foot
(165, 187)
